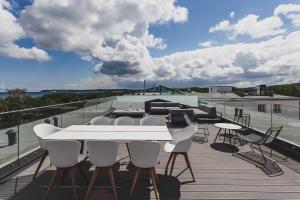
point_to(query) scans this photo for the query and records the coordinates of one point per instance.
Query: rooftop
(218, 174)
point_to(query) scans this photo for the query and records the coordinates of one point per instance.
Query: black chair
(201, 127)
(255, 139)
(244, 121)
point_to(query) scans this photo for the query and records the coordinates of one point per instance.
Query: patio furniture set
(239, 130)
(102, 139)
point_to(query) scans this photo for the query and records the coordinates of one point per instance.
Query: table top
(228, 126)
(112, 132)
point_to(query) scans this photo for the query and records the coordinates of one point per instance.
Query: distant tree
(15, 98)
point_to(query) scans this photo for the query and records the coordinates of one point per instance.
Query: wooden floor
(219, 175)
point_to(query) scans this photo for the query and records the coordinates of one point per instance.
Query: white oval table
(227, 126)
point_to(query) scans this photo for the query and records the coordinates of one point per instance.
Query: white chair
(150, 121)
(41, 131)
(124, 121)
(64, 156)
(103, 155)
(144, 155)
(101, 120)
(181, 144)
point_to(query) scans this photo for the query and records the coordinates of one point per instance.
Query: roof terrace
(221, 171)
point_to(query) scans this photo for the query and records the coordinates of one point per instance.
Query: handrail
(254, 99)
(49, 106)
(250, 98)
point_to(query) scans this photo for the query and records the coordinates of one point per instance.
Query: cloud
(270, 61)
(285, 9)
(99, 82)
(291, 11)
(10, 32)
(251, 26)
(115, 36)
(207, 44)
(119, 68)
(106, 31)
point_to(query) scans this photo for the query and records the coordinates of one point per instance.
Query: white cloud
(206, 44)
(232, 14)
(10, 32)
(115, 36)
(270, 61)
(251, 26)
(221, 26)
(291, 11)
(295, 19)
(284, 9)
(103, 30)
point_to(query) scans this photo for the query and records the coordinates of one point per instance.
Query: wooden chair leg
(112, 181)
(135, 176)
(51, 183)
(152, 176)
(74, 184)
(81, 147)
(169, 160)
(186, 157)
(156, 176)
(45, 154)
(94, 178)
(173, 163)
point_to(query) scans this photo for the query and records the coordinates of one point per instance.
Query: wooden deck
(219, 175)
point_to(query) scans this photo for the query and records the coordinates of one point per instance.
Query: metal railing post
(271, 115)
(18, 136)
(224, 107)
(83, 113)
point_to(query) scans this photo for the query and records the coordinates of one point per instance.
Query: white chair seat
(169, 146)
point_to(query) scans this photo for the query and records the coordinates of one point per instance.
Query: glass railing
(17, 138)
(265, 113)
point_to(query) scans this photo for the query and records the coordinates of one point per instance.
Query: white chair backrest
(63, 153)
(43, 130)
(144, 154)
(123, 121)
(150, 121)
(103, 153)
(183, 138)
(101, 120)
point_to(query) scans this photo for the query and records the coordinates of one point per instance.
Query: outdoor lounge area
(219, 171)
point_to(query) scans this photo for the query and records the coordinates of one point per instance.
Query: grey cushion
(177, 115)
(164, 104)
(199, 113)
(211, 110)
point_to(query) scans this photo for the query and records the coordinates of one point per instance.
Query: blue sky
(64, 62)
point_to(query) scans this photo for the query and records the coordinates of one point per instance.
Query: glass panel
(8, 152)
(72, 114)
(260, 114)
(288, 116)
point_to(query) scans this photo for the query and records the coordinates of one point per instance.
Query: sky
(91, 44)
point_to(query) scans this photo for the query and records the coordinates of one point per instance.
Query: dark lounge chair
(255, 139)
